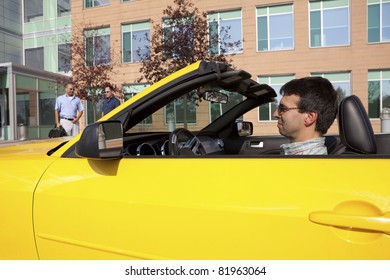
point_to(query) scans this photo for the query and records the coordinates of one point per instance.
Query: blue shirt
(68, 106)
(110, 104)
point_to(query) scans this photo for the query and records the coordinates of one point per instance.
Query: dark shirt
(110, 104)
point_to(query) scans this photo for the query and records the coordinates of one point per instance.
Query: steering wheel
(183, 142)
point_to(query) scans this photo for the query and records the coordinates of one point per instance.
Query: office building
(346, 41)
(34, 35)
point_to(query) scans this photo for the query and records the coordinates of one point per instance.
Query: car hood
(32, 148)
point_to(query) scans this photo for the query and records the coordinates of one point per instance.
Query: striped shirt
(315, 146)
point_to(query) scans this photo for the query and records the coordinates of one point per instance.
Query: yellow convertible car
(176, 173)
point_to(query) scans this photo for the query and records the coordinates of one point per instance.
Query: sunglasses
(283, 109)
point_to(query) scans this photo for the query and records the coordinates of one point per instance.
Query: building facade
(27, 98)
(11, 31)
(35, 36)
(346, 41)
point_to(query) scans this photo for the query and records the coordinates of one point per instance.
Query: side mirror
(102, 140)
(244, 128)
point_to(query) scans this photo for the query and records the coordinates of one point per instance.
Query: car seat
(356, 133)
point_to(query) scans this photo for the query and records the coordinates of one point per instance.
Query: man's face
(69, 90)
(290, 121)
(108, 92)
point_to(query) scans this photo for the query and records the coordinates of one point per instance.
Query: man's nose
(276, 113)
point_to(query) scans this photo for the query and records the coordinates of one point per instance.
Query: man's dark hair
(110, 87)
(316, 95)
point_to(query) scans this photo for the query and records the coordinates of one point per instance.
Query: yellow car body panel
(20, 169)
(101, 210)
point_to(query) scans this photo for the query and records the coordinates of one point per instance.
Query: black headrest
(355, 128)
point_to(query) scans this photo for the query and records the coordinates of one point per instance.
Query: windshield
(190, 111)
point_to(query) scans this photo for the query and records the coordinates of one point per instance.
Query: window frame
(46, 118)
(176, 108)
(379, 3)
(217, 17)
(66, 12)
(93, 34)
(377, 76)
(331, 77)
(36, 17)
(93, 4)
(268, 15)
(69, 46)
(40, 59)
(170, 27)
(131, 32)
(130, 90)
(321, 9)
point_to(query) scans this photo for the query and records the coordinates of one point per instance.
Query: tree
(92, 62)
(182, 39)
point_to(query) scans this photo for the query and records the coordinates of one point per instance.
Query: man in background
(110, 101)
(68, 111)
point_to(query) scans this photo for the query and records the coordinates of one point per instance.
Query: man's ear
(311, 118)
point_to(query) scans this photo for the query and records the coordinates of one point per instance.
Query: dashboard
(157, 144)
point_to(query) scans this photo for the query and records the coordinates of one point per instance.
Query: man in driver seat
(306, 111)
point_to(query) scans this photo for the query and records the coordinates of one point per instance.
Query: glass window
(135, 41)
(63, 8)
(275, 28)
(177, 29)
(276, 82)
(95, 3)
(93, 110)
(216, 109)
(97, 46)
(225, 32)
(329, 23)
(34, 58)
(46, 108)
(378, 92)
(46, 101)
(132, 90)
(378, 14)
(4, 110)
(182, 110)
(64, 57)
(168, 36)
(340, 81)
(23, 108)
(33, 10)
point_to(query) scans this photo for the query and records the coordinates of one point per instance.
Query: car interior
(356, 138)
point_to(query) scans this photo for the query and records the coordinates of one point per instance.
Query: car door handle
(257, 144)
(373, 223)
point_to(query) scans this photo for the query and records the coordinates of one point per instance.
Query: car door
(213, 208)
